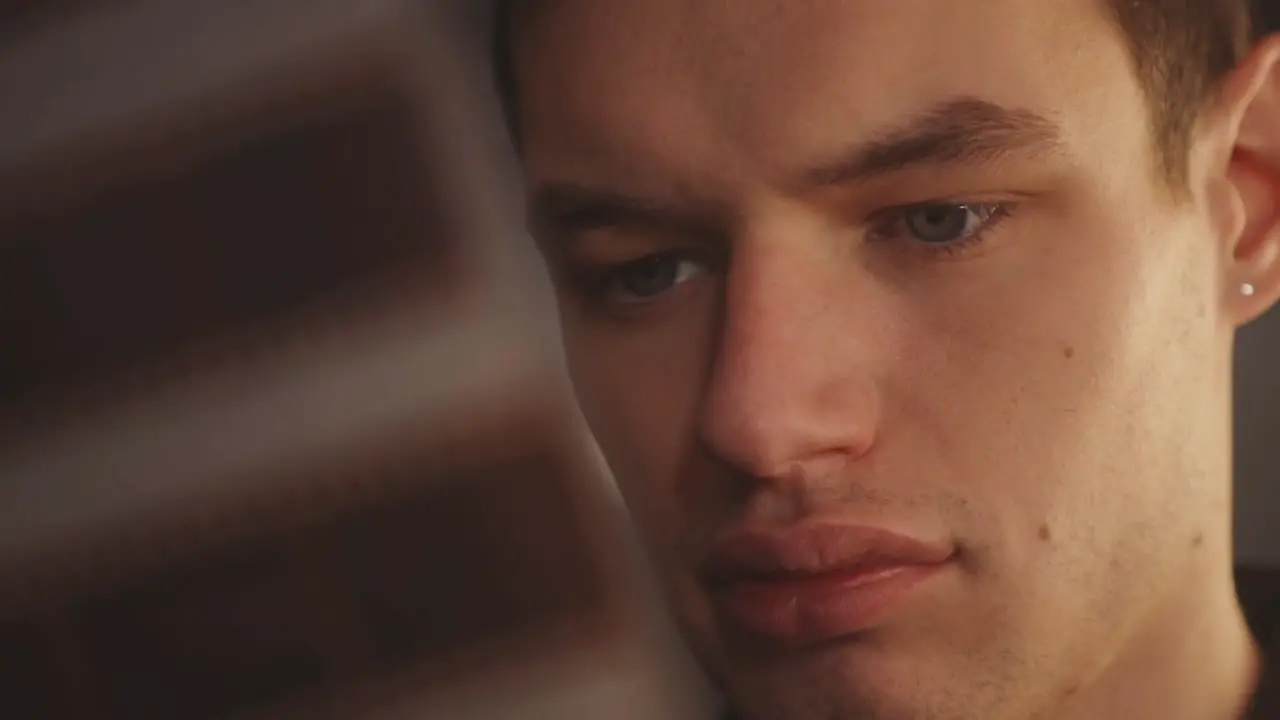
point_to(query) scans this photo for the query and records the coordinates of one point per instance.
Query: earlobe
(1253, 260)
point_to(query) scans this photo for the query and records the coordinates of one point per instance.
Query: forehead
(633, 89)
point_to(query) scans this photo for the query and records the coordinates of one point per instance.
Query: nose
(791, 391)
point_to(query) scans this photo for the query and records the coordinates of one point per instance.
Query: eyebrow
(558, 210)
(961, 130)
(958, 131)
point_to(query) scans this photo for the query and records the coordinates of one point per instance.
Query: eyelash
(887, 226)
(597, 283)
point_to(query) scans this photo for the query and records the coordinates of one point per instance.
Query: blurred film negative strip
(281, 429)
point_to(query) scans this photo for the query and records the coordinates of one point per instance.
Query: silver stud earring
(1247, 290)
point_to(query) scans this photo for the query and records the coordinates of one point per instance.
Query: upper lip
(762, 555)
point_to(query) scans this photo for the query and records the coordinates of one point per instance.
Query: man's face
(837, 273)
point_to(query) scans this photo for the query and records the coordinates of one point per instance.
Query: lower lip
(805, 610)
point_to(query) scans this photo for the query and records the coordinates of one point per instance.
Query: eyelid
(894, 215)
(902, 208)
(613, 246)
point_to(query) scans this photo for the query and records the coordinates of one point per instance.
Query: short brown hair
(1181, 51)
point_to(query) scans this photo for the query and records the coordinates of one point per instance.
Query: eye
(650, 277)
(943, 224)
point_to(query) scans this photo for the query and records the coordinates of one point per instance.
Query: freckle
(1044, 533)
(1069, 353)
(1073, 690)
(1198, 540)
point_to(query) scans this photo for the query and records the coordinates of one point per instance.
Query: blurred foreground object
(281, 430)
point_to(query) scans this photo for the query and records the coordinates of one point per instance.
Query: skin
(1050, 396)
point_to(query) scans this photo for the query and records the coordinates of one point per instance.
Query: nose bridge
(789, 389)
(776, 304)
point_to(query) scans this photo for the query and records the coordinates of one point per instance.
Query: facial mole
(1045, 534)
(1198, 540)
(1069, 353)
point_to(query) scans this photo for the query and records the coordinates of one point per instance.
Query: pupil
(938, 223)
(650, 276)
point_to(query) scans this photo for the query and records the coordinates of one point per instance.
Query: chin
(817, 701)
(845, 680)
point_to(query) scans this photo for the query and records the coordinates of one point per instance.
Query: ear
(1249, 118)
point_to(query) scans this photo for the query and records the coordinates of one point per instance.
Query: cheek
(639, 388)
(1059, 367)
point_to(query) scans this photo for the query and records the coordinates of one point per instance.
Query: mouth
(817, 583)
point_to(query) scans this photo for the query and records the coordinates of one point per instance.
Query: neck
(1195, 659)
